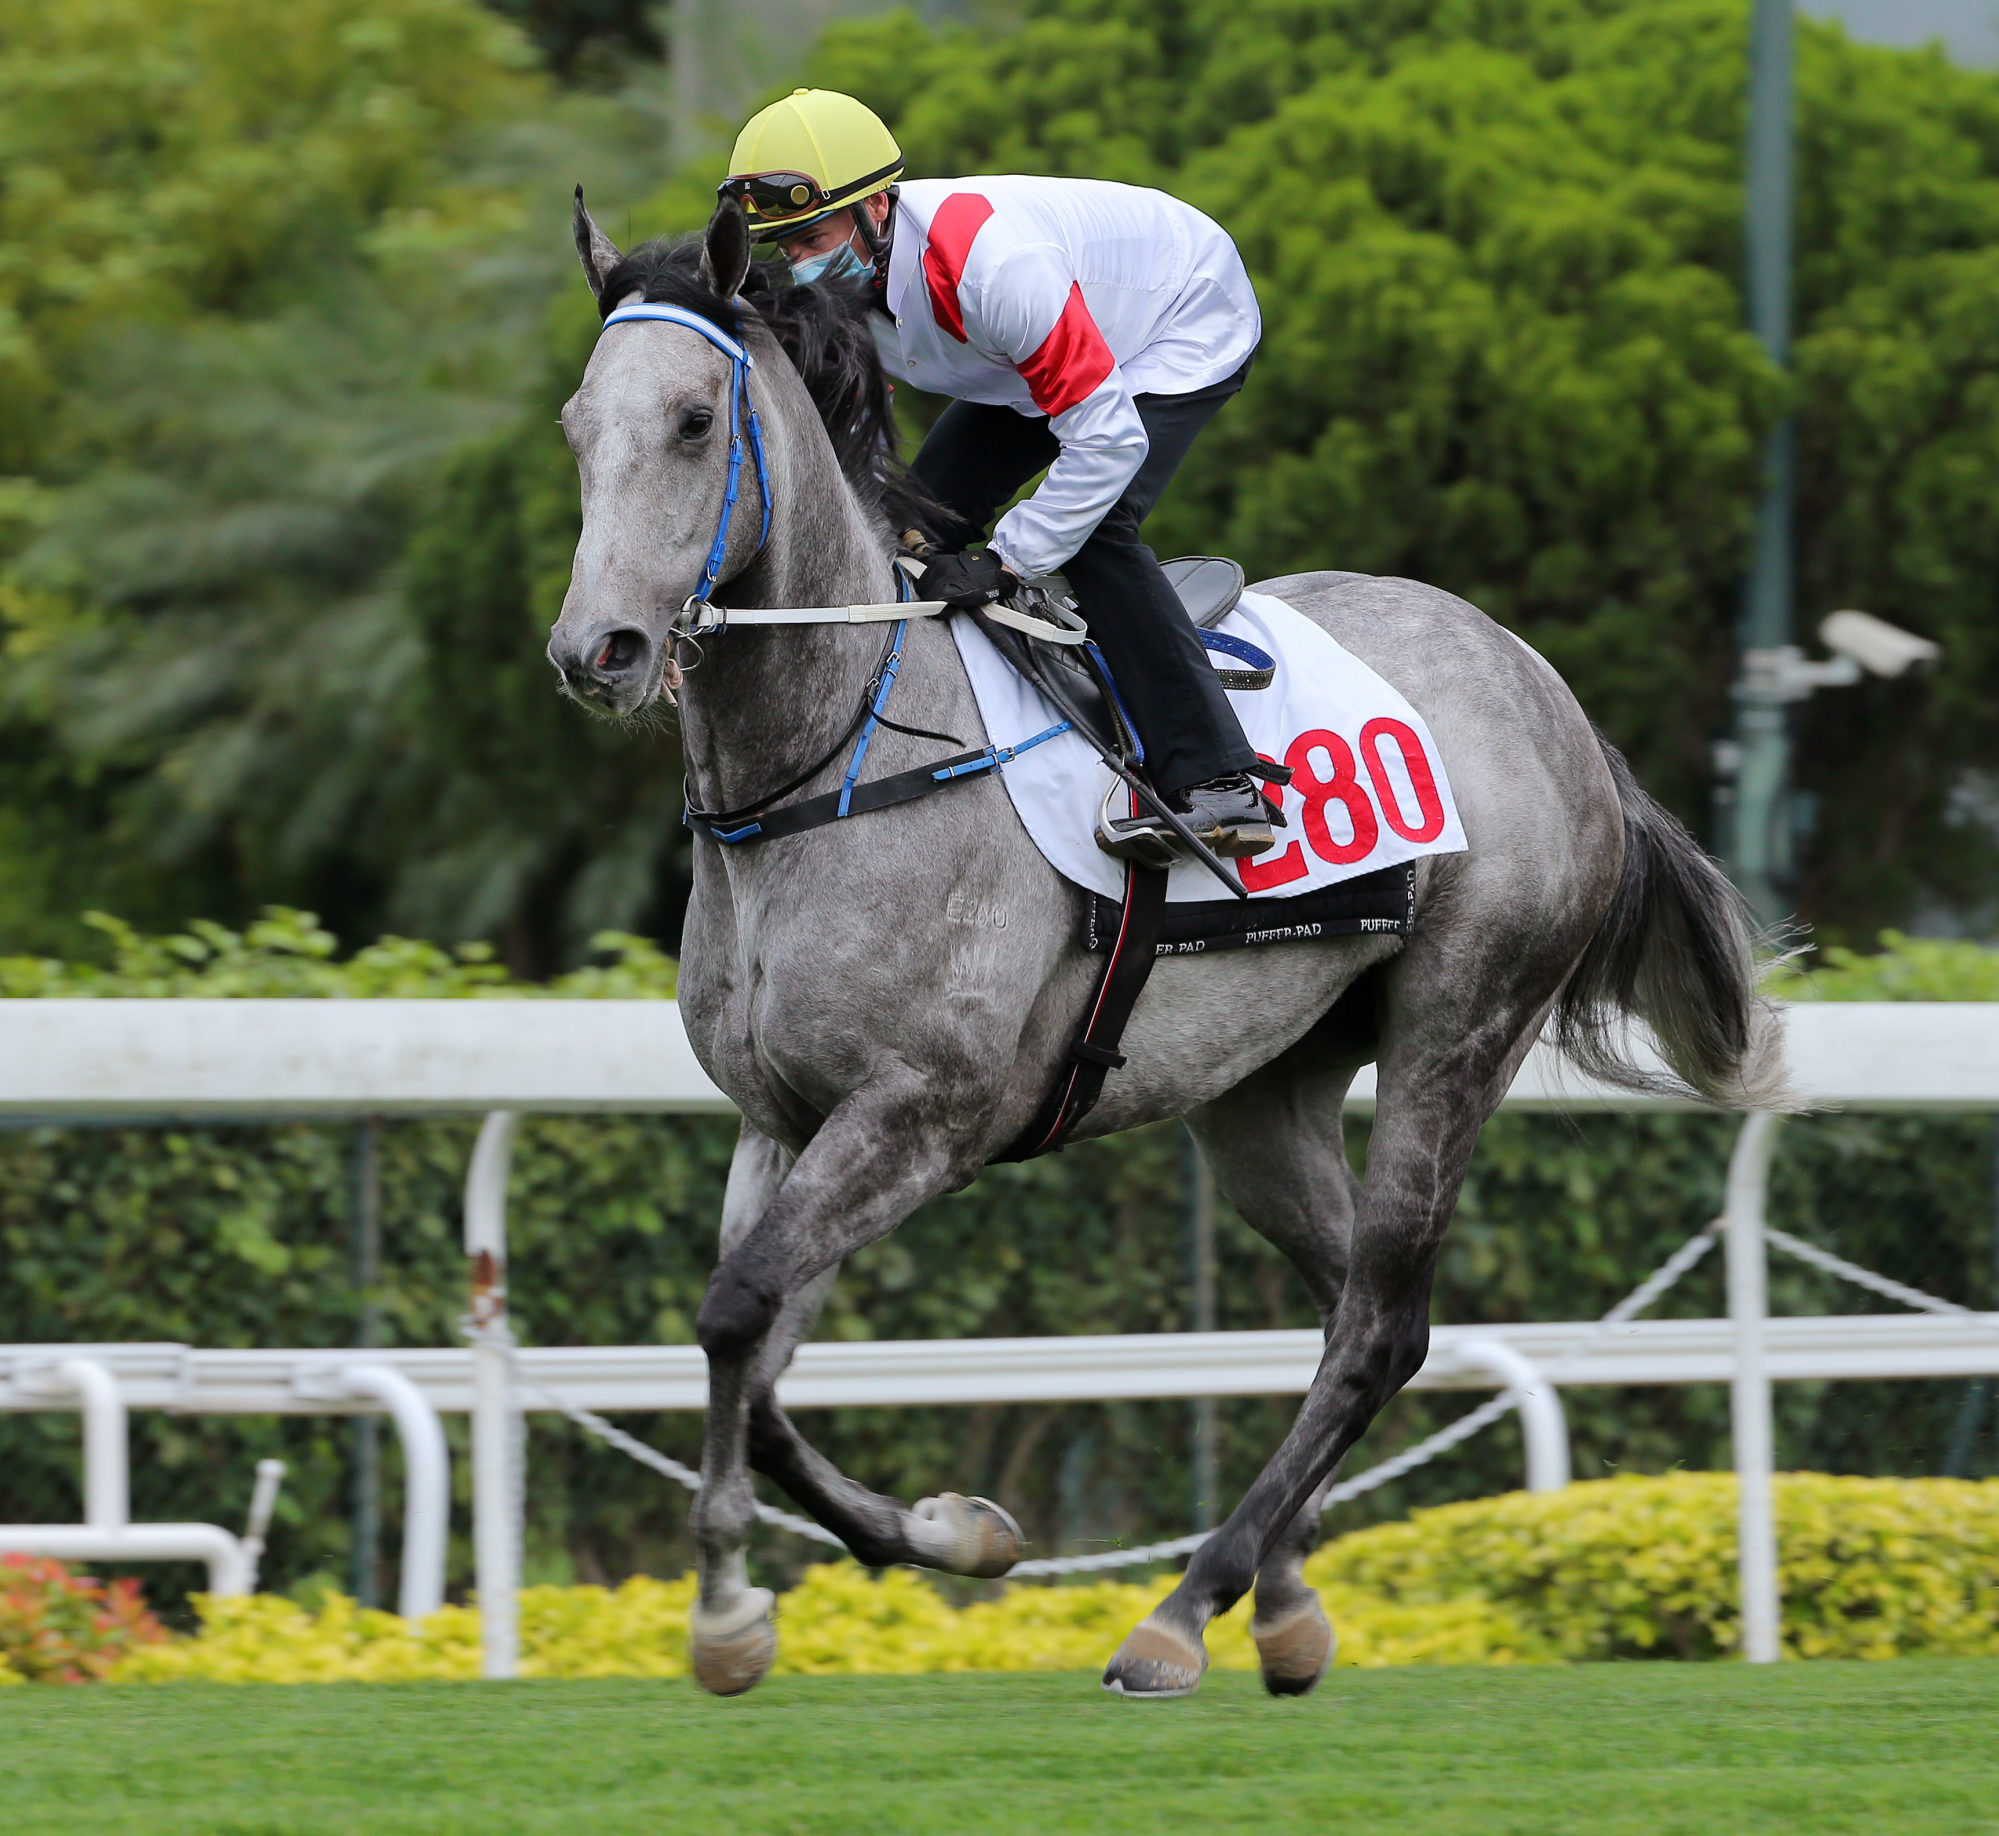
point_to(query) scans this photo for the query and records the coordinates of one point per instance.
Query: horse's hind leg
(1277, 1148)
(1443, 1070)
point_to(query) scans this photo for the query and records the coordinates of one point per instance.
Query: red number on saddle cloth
(1279, 868)
(1421, 779)
(1345, 787)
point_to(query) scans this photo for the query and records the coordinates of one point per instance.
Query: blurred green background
(287, 308)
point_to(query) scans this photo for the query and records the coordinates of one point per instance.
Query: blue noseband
(741, 409)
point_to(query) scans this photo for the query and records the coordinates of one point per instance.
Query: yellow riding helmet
(812, 153)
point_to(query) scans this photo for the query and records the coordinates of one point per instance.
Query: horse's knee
(737, 1311)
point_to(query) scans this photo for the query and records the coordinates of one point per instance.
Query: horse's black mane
(826, 336)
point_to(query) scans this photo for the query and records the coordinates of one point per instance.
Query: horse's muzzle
(610, 668)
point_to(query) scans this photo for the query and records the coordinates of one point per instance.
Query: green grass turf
(1906, 1747)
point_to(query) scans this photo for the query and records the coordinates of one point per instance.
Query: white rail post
(495, 1525)
(1543, 1426)
(107, 1503)
(263, 1501)
(426, 1483)
(1749, 1390)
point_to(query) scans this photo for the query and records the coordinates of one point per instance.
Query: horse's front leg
(786, 1229)
(960, 1536)
(951, 1533)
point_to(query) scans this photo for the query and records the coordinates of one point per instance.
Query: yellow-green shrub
(1615, 1568)
(838, 1621)
(1638, 1567)
(637, 1630)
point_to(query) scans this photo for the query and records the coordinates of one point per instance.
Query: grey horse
(888, 999)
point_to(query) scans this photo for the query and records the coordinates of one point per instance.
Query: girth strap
(1094, 1053)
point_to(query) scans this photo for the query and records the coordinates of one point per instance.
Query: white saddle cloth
(1368, 789)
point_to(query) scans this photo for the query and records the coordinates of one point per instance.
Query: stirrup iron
(1143, 840)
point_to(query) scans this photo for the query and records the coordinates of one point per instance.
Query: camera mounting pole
(1752, 796)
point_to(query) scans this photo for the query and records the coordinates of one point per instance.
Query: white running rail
(1083, 1368)
(107, 1533)
(69, 1058)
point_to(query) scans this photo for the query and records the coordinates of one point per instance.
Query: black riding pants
(974, 460)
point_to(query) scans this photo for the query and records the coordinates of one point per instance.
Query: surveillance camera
(1878, 647)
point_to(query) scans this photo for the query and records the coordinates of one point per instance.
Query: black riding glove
(967, 581)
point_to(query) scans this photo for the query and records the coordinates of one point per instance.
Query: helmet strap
(877, 239)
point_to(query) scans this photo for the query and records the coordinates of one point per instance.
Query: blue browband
(740, 409)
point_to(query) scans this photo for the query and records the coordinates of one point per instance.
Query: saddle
(1209, 587)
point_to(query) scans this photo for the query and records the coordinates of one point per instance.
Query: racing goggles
(782, 203)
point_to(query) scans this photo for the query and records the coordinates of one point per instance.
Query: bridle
(742, 409)
(699, 614)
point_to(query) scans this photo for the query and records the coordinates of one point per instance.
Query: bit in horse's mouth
(619, 650)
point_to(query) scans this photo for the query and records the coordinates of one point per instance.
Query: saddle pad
(1369, 789)
(1376, 903)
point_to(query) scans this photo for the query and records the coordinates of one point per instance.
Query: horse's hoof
(733, 1650)
(1156, 1661)
(1296, 1650)
(968, 1536)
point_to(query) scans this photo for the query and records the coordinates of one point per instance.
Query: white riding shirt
(1065, 298)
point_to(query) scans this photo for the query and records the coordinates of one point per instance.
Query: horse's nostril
(618, 652)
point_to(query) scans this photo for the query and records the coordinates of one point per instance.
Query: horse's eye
(696, 422)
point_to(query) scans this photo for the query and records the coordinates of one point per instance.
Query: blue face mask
(842, 268)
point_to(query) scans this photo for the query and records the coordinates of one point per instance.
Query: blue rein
(741, 409)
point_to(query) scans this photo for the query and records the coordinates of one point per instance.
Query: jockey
(1087, 329)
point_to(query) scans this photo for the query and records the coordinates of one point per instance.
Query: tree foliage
(167, 159)
(288, 513)
(1498, 248)
(265, 273)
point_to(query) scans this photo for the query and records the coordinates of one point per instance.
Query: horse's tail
(1678, 950)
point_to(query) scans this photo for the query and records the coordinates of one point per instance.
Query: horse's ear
(725, 250)
(597, 252)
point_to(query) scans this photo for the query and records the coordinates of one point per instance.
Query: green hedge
(288, 954)
(239, 1236)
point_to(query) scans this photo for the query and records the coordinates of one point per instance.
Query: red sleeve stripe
(958, 221)
(1072, 362)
